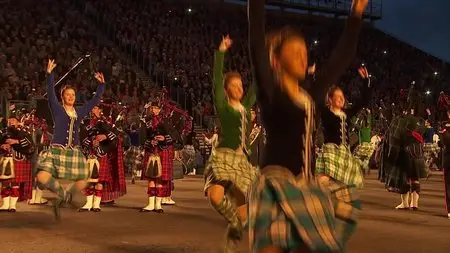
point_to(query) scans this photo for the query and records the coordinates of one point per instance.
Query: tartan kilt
(410, 163)
(228, 168)
(292, 213)
(363, 151)
(430, 150)
(166, 157)
(104, 171)
(117, 186)
(23, 173)
(338, 163)
(64, 163)
(134, 156)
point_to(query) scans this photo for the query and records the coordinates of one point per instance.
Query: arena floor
(193, 227)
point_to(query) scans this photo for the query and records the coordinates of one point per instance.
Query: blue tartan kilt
(293, 213)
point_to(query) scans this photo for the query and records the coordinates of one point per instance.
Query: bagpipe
(90, 129)
(172, 121)
(16, 133)
(17, 151)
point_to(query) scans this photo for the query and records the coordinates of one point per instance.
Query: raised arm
(219, 88)
(366, 93)
(342, 55)
(84, 111)
(259, 53)
(52, 98)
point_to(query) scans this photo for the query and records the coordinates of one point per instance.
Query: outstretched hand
(50, 66)
(225, 44)
(363, 73)
(100, 78)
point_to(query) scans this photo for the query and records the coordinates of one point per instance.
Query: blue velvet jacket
(66, 129)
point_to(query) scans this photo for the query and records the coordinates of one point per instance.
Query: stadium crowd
(177, 41)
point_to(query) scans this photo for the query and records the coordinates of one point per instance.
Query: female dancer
(229, 174)
(64, 159)
(336, 162)
(288, 212)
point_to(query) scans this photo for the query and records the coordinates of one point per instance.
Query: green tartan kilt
(430, 150)
(229, 169)
(363, 151)
(338, 163)
(64, 163)
(293, 213)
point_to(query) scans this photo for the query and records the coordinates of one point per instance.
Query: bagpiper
(16, 167)
(103, 149)
(158, 157)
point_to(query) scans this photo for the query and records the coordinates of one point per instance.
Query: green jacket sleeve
(219, 88)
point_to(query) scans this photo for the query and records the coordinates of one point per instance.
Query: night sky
(421, 23)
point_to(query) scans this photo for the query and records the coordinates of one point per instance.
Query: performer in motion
(16, 151)
(103, 148)
(336, 164)
(64, 159)
(229, 174)
(282, 197)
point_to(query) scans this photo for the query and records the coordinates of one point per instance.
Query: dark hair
(331, 92)
(230, 75)
(67, 87)
(276, 39)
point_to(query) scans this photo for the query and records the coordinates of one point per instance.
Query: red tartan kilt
(166, 163)
(104, 172)
(23, 171)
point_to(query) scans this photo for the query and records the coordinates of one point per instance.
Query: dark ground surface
(192, 226)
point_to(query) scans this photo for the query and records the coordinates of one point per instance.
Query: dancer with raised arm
(229, 174)
(336, 164)
(64, 159)
(288, 211)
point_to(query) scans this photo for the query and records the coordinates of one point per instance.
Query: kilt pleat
(23, 171)
(338, 163)
(64, 163)
(228, 168)
(104, 171)
(117, 186)
(292, 213)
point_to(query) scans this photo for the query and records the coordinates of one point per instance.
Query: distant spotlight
(384, 52)
(436, 73)
(428, 92)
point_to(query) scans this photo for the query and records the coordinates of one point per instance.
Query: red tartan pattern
(117, 187)
(23, 171)
(166, 157)
(104, 172)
